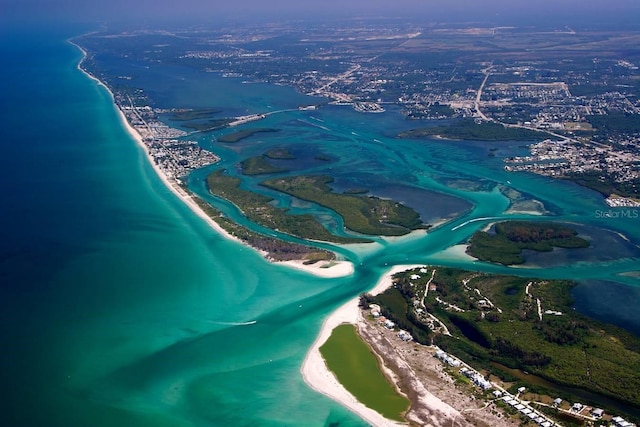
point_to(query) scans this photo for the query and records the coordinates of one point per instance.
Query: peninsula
(490, 350)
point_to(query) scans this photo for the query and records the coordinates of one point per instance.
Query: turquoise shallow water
(120, 307)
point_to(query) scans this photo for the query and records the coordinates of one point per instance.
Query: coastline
(318, 377)
(326, 270)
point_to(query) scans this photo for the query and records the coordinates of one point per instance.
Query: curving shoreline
(321, 269)
(316, 374)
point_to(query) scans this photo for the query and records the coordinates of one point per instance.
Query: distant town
(577, 89)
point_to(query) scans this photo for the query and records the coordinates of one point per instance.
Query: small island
(366, 215)
(258, 165)
(258, 208)
(280, 154)
(238, 136)
(198, 114)
(510, 238)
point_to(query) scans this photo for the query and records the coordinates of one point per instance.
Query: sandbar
(328, 269)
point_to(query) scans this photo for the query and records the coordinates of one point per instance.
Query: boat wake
(473, 220)
(233, 323)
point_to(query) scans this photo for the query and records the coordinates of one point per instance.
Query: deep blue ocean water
(119, 307)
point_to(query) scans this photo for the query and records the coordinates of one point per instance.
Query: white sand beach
(327, 269)
(319, 378)
(428, 410)
(315, 372)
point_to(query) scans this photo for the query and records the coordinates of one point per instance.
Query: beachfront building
(450, 360)
(621, 422)
(405, 336)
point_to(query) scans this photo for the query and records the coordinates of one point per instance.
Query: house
(483, 303)
(497, 393)
(546, 424)
(557, 402)
(415, 276)
(577, 407)
(404, 335)
(389, 324)
(597, 412)
(521, 390)
(453, 362)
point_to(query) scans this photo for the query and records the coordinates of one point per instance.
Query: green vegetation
(259, 165)
(562, 347)
(188, 115)
(356, 191)
(606, 184)
(279, 153)
(512, 237)
(276, 249)
(257, 208)
(616, 122)
(366, 215)
(209, 125)
(435, 110)
(357, 369)
(468, 129)
(242, 134)
(394, 304)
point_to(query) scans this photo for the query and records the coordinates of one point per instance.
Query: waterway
(120, 307)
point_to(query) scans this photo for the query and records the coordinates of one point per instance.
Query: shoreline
(336, 268)
(314, 371)
(326, 269)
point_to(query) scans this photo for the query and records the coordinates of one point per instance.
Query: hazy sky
(498, 11)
